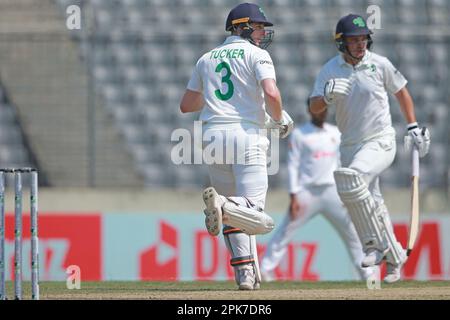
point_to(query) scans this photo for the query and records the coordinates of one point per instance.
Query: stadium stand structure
(14, 147)
(47, 82)
(143, 51)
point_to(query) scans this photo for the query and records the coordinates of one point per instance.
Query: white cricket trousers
(243, 169)
(242, 179)
(370, 159)
(316, 200)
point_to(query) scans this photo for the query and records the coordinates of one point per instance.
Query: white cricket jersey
(313, 156)
(229, 78)
(364, 113)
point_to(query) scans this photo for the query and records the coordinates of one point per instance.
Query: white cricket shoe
(393, 272)
(373, 257)
(213, 211)
(246, 278)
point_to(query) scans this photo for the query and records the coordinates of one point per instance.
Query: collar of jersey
(313, 127)
(234, 39)
(363, 62)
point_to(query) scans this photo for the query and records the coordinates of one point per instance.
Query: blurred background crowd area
(96, 106)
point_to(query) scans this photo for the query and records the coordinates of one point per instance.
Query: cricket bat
(414, 218)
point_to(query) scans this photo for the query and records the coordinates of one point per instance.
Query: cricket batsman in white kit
(233, 85)
(313, 156)
(357, 82)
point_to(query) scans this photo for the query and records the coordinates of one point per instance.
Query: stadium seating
(147, 49)
(14, 151)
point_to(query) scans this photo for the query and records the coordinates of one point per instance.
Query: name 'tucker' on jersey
(229, 78)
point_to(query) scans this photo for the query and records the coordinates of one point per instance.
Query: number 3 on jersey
(225, 79)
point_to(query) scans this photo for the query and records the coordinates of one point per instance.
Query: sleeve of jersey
(393, 79)
(319, 84)
(195, 82)
(294, 161)
(264, 68)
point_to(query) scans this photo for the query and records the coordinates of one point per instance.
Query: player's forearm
(272, 98)
(317, 105)
(406, 105)
(274, 107)
(192, 101)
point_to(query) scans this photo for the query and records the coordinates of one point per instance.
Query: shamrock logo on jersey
(359, 22)
(370, 69)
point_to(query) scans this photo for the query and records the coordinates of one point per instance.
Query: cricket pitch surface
(227, 290)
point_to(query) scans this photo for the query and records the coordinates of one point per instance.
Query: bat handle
(415, 161)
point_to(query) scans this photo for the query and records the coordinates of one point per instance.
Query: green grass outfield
(227, 290)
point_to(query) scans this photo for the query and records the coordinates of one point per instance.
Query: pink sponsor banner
(211, 256)
(64, 239)
(168, 247)
(173, 247)
(431, 250)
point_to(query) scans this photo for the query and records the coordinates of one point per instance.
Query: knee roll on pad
(250, 221)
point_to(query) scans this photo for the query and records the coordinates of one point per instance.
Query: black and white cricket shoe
(213, 211)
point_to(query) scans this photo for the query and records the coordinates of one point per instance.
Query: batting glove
(336, 89)
(284, 126)
(419, 137)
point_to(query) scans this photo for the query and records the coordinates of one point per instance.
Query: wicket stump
(18, 219)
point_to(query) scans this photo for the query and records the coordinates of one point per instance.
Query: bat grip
(415, 162)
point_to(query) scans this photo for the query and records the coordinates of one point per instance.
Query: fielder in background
(313, 156)
(233, 85)
(357, 82)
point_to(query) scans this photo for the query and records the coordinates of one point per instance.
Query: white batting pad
(249, 220)
(243, 250)
(371, 222)
(397, 254)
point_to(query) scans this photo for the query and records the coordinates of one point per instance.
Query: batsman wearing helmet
(233, 85)
(357, 82)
